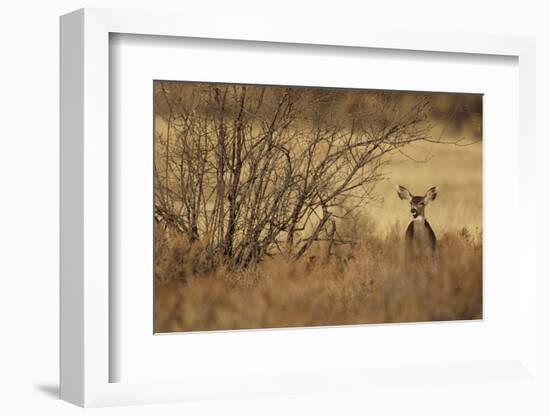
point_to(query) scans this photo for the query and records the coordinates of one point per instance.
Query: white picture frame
(85, 217)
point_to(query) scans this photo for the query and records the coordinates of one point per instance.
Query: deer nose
(413, 211)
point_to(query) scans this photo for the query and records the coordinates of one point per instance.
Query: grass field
(455, 170)
(366, 283)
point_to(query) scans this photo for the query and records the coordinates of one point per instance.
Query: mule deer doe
(420, 238)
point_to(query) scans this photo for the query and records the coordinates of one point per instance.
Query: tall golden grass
(372, 285)
(364, 284)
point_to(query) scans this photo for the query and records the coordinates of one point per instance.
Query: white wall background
(29, 56)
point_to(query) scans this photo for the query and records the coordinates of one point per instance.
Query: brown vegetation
(370, 284)
(253, 172)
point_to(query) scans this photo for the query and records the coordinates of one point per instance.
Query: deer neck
(420, 220)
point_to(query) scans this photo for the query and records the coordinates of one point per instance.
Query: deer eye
(421, 204)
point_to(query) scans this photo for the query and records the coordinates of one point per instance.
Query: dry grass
(366, 284)
(456, 170)
(374, 286)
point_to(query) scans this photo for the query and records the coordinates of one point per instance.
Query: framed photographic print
(273, 214)
(279, 206)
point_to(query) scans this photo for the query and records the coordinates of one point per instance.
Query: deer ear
(430, 194)
(403, 193)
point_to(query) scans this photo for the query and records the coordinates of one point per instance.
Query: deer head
(418, 203)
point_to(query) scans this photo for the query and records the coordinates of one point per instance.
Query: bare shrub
(251, 172)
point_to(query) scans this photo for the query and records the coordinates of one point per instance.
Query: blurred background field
(456, 170)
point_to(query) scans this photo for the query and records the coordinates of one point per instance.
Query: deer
(420, 240)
